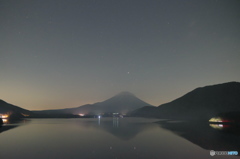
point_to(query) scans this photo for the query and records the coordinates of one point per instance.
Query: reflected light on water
(5, 121)
(217, 126)
(220, 126)
(99, 120)
(115, 122)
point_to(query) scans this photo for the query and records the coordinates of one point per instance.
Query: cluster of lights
(4, 117)
(216, 119)
(220, 123)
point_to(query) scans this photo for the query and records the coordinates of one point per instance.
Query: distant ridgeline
(201, 103)
(121, 103)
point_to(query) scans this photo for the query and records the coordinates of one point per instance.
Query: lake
(114, 138)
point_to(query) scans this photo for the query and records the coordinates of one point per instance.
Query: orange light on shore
(4, 118)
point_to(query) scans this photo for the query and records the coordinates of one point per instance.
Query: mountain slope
(6, 108)
(201, 103)
(122, 103)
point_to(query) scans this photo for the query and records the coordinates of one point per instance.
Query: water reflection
(115, 122)
(6, 128)
(112, 138)
(10, 125)
(227, 128)
(99, 120)
(205, 136)
(84, 138)
(218, 126)
(119, 127)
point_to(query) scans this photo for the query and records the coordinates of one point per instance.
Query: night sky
(66, 53)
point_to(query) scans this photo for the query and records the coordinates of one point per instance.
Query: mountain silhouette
(121, 103)
(13, 111)
(201, 103)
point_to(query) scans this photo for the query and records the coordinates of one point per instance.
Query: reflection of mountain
(201, 134)
(11, 125)
(123, 128)
(122, 103)
(201, 103)
(7, 127)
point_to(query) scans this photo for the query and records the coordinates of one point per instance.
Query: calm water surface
(116, 138)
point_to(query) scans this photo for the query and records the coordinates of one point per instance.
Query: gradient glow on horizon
(66, 53)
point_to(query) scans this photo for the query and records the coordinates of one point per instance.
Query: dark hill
(201, 103)
(14, 111)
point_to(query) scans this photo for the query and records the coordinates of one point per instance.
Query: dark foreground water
(116, 138)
